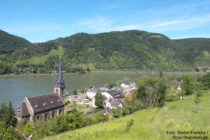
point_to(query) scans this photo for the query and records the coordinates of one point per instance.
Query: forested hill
(116, 50)
(10, 43)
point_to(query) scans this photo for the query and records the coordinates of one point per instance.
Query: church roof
(45, 103)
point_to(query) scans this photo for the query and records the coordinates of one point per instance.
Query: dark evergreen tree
(7, 115)
(99, 102)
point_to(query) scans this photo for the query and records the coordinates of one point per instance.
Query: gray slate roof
(45, 103)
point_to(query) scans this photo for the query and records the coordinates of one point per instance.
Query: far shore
(98, 71)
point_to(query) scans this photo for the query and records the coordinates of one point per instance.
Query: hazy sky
(42, 20)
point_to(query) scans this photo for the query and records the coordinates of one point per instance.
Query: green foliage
(5, 68)
(96, 117)
(88, 69)
(74, 69)
(114, 50)
(75, 92)
(8, 133)
(188, 84)
(127, 109)
(171, 98)
(7, 114)
(197, 101)
(116, 112)
(10, 43)
(99, 101)
(161, 74)
(152, 91)
(149, 124)
(54, 126)
(205, 80)
(129, 124)
(111, 85)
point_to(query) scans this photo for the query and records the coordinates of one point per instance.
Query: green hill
(10, 43)
(150, 124)
(116, 50)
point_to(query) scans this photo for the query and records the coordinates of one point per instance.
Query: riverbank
(106, 71)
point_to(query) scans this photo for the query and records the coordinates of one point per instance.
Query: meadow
(151, 124)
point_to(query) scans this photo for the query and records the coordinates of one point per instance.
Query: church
(46, 106)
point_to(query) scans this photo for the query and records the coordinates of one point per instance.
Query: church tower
(60, 85)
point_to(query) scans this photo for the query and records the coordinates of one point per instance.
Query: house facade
(45, 106)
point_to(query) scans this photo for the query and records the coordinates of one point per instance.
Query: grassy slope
(43, 58)
(149, 124)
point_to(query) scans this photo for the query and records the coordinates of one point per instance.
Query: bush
(99, 101)
(188, 84)
(8, 133)
(171, 98)
(205, 80)
(127, 109)
(7, 114)
(151, 91)
(129, 124)
(116, 113)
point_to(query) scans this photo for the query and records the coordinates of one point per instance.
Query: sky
(43, 20)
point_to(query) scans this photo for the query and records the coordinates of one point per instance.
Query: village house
(45, 106)
(112, 96)
(202, 69)
(110, 102)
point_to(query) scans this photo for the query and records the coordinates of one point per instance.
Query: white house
(91, 93)
(128, 86)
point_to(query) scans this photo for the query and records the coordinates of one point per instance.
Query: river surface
(14, 89)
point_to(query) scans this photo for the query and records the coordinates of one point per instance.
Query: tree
(151, 91)
(197, 101)
(127, 109)
(205, 80)
(116, 112)
(7, 114)
(161, 74)
(75, 92)
(8, 133)
(88, 69)
(188, 84)
(111, 85)
(99, 101)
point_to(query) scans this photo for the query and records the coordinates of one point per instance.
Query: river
(15, 88)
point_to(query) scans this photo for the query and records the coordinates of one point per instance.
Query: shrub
(130, 123)
(171, 98)
(151, 91)
(205, 80)
(116, 113)
(99, 101)
(127, 109)
(188, 84)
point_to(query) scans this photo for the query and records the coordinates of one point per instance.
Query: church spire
(60, 81)
(60, 75)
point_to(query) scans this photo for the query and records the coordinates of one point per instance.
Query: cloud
(102, 24)
(127, 27)
(181, 24)
(98, 23)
